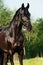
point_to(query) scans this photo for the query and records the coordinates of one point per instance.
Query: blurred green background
(33, 39)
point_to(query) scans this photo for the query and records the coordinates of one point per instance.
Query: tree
(34, 40)
(40, 35)
(5, 15)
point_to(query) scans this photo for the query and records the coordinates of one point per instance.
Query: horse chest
(19, 41)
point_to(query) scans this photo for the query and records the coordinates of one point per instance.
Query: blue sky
(36, 6)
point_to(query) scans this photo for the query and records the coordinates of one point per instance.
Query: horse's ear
(27, 6)
(23, 6)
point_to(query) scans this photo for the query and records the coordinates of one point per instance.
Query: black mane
(14, 16)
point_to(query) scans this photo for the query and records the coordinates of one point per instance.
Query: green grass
(32, 61)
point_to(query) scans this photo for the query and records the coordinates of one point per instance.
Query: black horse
(12, 39)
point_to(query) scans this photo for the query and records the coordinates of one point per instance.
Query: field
(32, 61)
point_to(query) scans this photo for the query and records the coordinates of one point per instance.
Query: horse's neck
(15, 27)
(10, 34)
(18, 24)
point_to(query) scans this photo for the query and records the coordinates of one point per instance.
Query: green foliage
(40, 33)
(34, 39)
(5, 15)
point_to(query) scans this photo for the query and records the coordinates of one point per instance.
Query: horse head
(23, 16)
